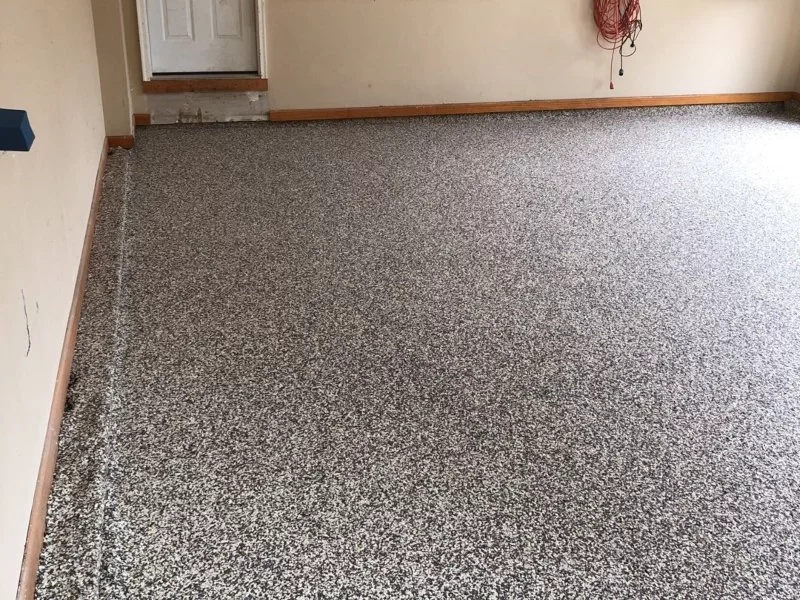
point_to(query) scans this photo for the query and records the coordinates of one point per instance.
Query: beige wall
(113, 63)
(333, 53)
(134, 56)
(48, 66)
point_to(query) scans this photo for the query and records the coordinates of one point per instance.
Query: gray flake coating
(511, 356)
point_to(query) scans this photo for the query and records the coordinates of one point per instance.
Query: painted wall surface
(113, 62)
(48, 66)
(335, 53)
(138, 98)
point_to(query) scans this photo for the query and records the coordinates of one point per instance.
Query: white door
(202, 36)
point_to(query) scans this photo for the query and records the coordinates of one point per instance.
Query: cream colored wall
(333, 53)
(138, 98)
(113, 63)
(48, 66)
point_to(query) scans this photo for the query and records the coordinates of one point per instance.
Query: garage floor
(529, 356)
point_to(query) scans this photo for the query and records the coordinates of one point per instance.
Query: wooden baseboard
(418, 110)
(142, 119)
(795, 96)
(121, 141)
(205, 84)
(47, 467)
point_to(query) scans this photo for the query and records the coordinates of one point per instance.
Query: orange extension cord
(618, 23)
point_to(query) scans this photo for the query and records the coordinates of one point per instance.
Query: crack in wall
(27, 323)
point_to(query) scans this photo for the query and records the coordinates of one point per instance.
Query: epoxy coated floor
(526, 356)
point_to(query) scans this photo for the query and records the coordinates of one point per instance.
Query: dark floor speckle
(527, 356)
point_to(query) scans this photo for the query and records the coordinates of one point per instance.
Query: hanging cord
(619, 23)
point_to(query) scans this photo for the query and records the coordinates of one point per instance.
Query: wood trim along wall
(121, 141)
(795, 96)
(142, 119)
(205, 84)
(418, 110)
(44, 481)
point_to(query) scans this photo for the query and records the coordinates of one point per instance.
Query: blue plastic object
(16, 134)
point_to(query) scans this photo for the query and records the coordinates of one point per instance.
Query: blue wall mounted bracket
(16, 134)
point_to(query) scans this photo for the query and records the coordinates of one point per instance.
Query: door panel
(202, 36)
(227, 19)
(178, 19)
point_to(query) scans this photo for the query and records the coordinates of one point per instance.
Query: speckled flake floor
(527, 356)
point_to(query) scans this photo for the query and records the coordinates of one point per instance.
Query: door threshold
(181, 84)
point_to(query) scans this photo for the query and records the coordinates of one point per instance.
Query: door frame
(144, 39)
